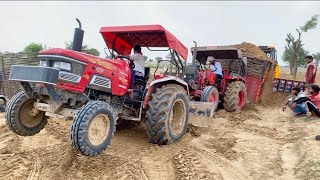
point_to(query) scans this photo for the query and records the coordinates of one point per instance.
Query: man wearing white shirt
(138, 59)
(215, 67)
(298, 109)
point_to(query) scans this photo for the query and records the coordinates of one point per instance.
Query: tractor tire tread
(157, 114)
(231, 95)
(13, 117)
(206, 93)
(79, 128)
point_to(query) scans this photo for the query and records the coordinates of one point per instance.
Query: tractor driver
(215, 67)
(138, 59)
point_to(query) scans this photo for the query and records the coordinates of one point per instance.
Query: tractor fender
(3, 97)
(165, 80)
(171, 79)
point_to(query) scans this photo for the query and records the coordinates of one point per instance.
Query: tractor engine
(198, 79)
(206, 78)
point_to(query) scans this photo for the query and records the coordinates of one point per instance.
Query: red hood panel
(87, 58)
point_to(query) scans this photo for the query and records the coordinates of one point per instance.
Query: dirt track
(258, 143)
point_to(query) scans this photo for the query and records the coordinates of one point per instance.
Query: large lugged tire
(21, 119)
(93, 128)
(168, 115)
(210, 94)
(235, 97)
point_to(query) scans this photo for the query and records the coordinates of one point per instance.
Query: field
(260, 142)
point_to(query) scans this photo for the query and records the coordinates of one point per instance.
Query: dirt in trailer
(252, 51)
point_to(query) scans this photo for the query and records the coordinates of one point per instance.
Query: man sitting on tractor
(138, 59)
(215, 67)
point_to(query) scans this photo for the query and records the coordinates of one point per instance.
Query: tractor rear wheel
(168, 115)
(22, 118)
(93, 128)
(235, 97)
(210, 94)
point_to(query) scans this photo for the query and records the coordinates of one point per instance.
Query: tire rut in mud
(14, 163)
(188, 165)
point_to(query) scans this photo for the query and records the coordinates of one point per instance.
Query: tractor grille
(65, 76)
(100, 81)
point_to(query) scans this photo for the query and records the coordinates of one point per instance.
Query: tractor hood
(123, 38)
(217, 52)
(87, 58)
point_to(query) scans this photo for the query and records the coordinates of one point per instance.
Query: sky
(209, 23)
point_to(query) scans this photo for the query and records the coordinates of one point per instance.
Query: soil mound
(252, 51)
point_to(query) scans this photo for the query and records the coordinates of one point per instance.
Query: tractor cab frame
(121, 40)
(232, 61)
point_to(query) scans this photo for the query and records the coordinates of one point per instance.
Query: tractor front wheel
(21, 116)
(210, 94)
(93, 128)
(235, 97)
(168, 115)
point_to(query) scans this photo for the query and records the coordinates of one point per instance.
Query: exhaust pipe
(194, 54)
(77, 38)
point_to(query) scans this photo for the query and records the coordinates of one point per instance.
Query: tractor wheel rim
(98, 129)
(177, 117)
(26, 116)
(212, 98)
(240, 99)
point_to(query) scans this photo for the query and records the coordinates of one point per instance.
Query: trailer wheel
(210, 94)
(22, 118)
(93, 128)
(168, 115)
(235, 97)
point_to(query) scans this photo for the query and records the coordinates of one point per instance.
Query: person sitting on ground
(138, 59)
(215, 67)
(310, 73)
(297, 108)
(312, 102)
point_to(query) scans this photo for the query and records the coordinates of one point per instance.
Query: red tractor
(94, 91)
(231, 90)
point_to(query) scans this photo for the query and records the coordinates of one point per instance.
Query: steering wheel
(130, 63)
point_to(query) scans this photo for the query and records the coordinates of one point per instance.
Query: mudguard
(171, 79)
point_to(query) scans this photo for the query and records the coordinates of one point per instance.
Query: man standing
(215, 67)
(310, 73)
(138, 59)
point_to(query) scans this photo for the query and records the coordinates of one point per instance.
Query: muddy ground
(257, 143)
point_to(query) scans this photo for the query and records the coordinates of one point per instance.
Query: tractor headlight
(65, 66)
(62, 65)
(43, 63)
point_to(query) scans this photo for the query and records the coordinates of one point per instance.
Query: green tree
(145, 58)
(94, 51)
(287, 57)
(294, 46)
(69, 46)
(316, 57)
(158, 59)
(33, 48)
(84, 48)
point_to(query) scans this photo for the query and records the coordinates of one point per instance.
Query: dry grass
(285, 74)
